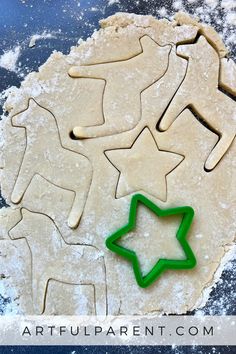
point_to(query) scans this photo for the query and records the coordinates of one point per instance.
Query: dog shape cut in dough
(200, 91)
(60, 261)
(62, 167)
(125, 80)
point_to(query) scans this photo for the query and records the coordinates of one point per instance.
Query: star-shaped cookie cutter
(162, 264)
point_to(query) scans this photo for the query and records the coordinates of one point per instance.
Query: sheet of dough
(64, 102)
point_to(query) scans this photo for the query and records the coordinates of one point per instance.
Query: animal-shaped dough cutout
(60, 261)
(62, 167)
(121, 106)
(200, 91)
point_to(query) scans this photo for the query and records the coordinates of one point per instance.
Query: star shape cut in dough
(162, 264)
(143, 166)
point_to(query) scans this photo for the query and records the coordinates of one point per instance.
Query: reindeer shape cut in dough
(200, 91)
(73, 264)
(44, 155)
(125, 80)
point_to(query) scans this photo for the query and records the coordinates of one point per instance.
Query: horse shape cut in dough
(60, 261)
(60, 166)
(121, 106)
(199, 90)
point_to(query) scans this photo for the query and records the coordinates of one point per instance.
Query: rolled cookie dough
(83, 135)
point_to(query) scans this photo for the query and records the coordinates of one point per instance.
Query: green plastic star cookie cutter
(162, 264)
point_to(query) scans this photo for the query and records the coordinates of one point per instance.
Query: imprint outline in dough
(58, 250)
(35, 149)
(196, 97)
(131, 178)
(108, 71)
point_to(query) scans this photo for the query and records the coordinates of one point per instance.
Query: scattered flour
(177, 5)
(111, 2)
(8, 300)
(8, 59)
(228, 4)
(231, 18)
(221, 14)
(212, 3)
(162, 12)
(43, 35)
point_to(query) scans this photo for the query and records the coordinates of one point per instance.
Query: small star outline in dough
(143, 167)
(162, 264)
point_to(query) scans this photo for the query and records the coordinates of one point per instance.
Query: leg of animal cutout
(90, 270)
(200, 91)
(176, 107)
(219, 150)
(78, 205)
(125, 80)
(23, 180)
(39, 288)
(101, 291)
(44, 155)
(83, 296)
(74, 264)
